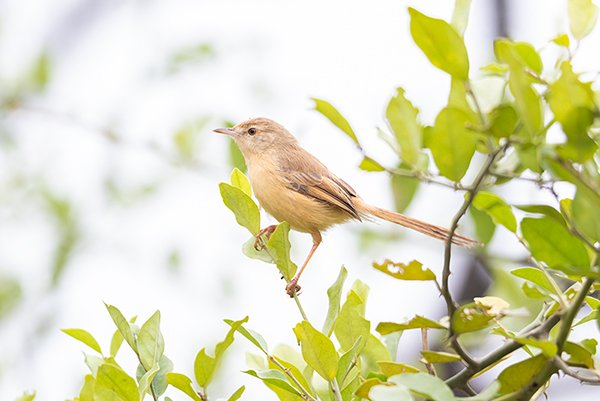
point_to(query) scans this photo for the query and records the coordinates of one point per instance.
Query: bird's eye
(252, 131)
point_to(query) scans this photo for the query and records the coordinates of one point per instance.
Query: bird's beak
(226, 131)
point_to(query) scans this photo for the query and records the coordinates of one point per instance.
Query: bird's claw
(292, 288)
(259, 242)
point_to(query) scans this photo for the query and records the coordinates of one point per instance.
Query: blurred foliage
(544, 131)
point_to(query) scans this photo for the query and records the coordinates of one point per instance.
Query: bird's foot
(259, 242)
(292, 288)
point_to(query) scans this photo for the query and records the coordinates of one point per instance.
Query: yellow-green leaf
(439, 357)
(442, 45)
(452, 143)
(183, 383)
(582, 17)
(411, 271)
(516, 376)
(402, 117)
(239, 180)
(150, 342)
(113, 379)
(243, 207)
(317, 350)
(550, 242)
(85, 337)
(496, 208)
(333, 115)
(416, 322)
(279, 248)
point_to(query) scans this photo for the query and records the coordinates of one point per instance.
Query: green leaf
(236, 158)
(582, 17)
(379, 392)
(520, 56)
(122, 325)
(452, 143)
(115, 343)
(496, 208)
(11, 294)
(562, 40)
(439, 357)
(535, 276)
(389, 368)
(250, 335)
(335, 117)
(416, 322)
(275, 378)
(403, 190)
(239, 180)
(365, 387)
(40, 73)
(146, 380)
(544, 210)
(579, 355)
(411, 271)
(318, 350)
(183, 383)
(150, 342)
(87, 390)
(351, 324)
(348, 362)
(112, 378)
(250, 251)
(206, 365)
(495, 69)
(548, 348)
(442, 45)
(237, 394)
(425, 385)
(26, 396)
(402, 117)
(374, 351)
(159, 383)
(586, 205)
(552, 243)
(484, 226)
(470, 317)
(503, 120)
(368, 164)
(334, 293)
(517, 376)
(243, 207)
(460, 15)
(279, 248)
(85, 337)
(572, 103)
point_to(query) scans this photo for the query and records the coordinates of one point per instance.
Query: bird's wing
(316, 181)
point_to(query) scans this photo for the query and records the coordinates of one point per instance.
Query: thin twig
(425, 348)
(335, 389)
(305, 394)
(562, 365)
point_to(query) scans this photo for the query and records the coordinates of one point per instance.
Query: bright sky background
(110, 70)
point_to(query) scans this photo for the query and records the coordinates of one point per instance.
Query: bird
(292, 185)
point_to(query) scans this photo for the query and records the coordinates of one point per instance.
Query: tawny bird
(294, 186)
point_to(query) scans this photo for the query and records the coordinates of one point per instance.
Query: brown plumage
(294, 186)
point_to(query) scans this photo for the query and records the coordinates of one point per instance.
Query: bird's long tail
(431, 230)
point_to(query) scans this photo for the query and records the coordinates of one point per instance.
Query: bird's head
(258, 135)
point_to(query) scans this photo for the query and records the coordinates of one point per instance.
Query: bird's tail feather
(431, 230)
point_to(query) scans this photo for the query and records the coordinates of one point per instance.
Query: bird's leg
(293, 286)
(259, 243)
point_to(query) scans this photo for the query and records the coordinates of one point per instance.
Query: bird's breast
(304, 213)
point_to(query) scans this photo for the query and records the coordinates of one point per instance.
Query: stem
(562, 365)
(462, 377)
(565, 326)
(425, 347)
(300, 308)
(335, 388)
(287, 372)
(454, 225)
